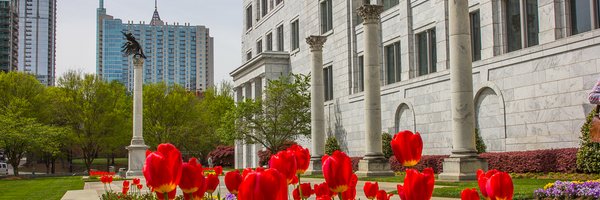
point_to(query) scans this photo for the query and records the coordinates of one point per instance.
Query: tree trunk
(46, 159)
(113, 158)
(52, 164)
(107, 163)
(70, 160)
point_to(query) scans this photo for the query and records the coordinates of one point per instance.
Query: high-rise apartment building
(9, 34)
(37, 39)
(176, 53)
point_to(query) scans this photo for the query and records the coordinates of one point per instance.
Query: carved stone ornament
(138, 61)
(316, 42)
(370, 12)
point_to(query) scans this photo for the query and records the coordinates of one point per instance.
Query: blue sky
(76, 28)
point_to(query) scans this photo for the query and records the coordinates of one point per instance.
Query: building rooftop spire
(101, 3)
(155, 17)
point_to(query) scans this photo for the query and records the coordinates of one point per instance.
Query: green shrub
(588, 156)
(479, 144)
(386, 138)
(332, 145)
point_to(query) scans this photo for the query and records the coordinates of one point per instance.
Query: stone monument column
(373, 162)
(317, 106)
(464, 160)
(137, 149)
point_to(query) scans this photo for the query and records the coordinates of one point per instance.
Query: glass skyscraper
(176, 54)
(37, 39)
(9, 34)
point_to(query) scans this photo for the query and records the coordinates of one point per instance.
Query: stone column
(464, 160)
(373, 162)
(137, 149)
(317, 100)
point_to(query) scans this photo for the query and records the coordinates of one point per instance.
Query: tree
(283, 115)
(93, 109)
(213, 104)
(20, 131)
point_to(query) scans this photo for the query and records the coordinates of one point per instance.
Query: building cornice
(260, 58)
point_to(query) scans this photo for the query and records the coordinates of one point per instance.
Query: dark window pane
(280, 38)
(361, 73)
(270, 42)
(295, 35)
(475, 36)
(598, 13)
(249, 17)
(532, 22)
(264, 7)
(329, 15)
(330, 83)
(432, 51)
(580, 16)
(325, 83)
(389, 64)
(513, 25)
(259, 47)
(422, 53)
(397, 56)
(323, 16)
(387, 4)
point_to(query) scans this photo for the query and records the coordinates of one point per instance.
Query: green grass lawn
(39, 188)
(100, 161)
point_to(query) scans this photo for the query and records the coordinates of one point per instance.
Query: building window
(580, 16)
(361, 73)
(277, 2)
(249, 55)
(392, 63)
(326, 16)
(328, 82)
(387, 4)
(259, 47)
(517, 33)
(295, 35)
(270, 42)
(248, 17)
(280, 38)
(264, 7)
(597, 13)
(475, 36)
(426, 50)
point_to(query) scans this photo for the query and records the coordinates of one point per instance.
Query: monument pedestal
(137, 158)
(315, 167)
(462, 168)
(374, 167)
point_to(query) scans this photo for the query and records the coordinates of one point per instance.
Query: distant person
(210, 162)
(594, 96)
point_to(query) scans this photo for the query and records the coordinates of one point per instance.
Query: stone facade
(532, 98)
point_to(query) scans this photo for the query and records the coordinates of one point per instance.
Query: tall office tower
(176, 54)
(37, 39)
(9, 34)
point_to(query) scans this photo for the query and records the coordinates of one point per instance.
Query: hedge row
(223, 156)
(551, 160)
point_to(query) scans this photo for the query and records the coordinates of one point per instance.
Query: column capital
(138, 62)
(370, 13)
(316, 42)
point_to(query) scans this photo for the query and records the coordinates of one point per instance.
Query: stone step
(81, 195)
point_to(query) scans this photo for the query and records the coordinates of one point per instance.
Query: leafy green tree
(20, 131)
(332, 145)
(213, 103)
(588, 155)
(386, 138)
(283, 115)
(93, 109)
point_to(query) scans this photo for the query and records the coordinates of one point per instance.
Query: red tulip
(218, 170)
(212, 181)
(163, 169)
(306, 191)
(302, 158)
(233, 179)
(350, 193)
(407, 147)
(324, 197)
(285, 163)
(191, 177)
(417, 186)
(199, 194)
(125, 190)
(136, 181)
(500, 187)
(482, 179)
(171, 195)
(262, 185)
(382, 195)
(322, 190)
(139, 186)
(249, 170)
(337, 170)
(469, 194)
(371, 189)
(106, 179)
(126, 184)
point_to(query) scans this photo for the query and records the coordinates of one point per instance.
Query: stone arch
(404, 118)
(490, 117)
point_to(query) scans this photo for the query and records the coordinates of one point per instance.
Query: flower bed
(569, 190)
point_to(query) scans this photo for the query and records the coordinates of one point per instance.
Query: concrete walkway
(93, 190)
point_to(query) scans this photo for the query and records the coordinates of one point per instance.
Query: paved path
(96, 188)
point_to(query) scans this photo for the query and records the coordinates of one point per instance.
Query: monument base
(137, 158)
(374, 167)
(462, 168)
(315, 167)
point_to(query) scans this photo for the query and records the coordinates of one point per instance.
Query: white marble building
(536, 61)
